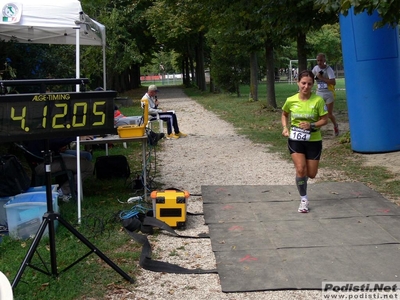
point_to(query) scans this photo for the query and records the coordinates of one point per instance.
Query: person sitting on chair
(58, 146)
(121, 120)
(166, 116)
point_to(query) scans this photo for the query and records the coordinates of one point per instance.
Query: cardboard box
(25, 213)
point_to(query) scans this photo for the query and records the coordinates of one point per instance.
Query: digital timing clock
(50, 115)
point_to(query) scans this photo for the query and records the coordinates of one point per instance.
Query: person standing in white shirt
(326, 82)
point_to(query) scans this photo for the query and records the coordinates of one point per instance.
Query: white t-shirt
(328, 73)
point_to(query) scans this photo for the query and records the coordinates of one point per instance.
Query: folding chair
(151, 118)
(154, 119)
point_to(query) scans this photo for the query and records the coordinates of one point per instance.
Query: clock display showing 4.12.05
(41, 116)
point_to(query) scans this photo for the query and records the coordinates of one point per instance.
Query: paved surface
(261, 243)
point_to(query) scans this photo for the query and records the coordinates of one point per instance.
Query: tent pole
(104, 62)
(77, 58)
(78, 161)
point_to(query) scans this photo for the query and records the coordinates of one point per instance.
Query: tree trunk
(134, 76)
(212, 87)
(183, 71)
(188, 66)
(253, 76)
(116, 82)
(191, 78)
(200, 72)
(186, 74)
(237, 87)
(123, 80)
(301, 51)
(269, 54)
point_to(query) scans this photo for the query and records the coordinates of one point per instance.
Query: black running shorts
(312, 150)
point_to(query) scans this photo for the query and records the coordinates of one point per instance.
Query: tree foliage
(388, 10)
(236, 40)
(180, 26)
(129, 43)
(327, 40)
(193, 35)
(37, 61)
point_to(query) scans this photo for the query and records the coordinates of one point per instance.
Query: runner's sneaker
(303, 208)
(172, 136)
(336, 129)
(181, 134)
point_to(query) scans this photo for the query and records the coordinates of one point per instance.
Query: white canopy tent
(53, 22)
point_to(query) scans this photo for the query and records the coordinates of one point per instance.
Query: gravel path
(212, 154)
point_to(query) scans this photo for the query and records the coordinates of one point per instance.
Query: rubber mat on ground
(261, 242)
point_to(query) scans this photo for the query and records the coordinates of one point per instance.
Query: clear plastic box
(25, 213)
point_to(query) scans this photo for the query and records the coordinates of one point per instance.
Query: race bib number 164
(298, 134)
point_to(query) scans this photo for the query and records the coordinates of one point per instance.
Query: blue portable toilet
(372, 71)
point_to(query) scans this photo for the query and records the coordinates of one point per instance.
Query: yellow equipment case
(127, 131)
(169, 206)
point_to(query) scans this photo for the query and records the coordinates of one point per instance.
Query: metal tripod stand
(48, 221)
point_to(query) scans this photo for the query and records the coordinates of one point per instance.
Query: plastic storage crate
(25, 213)
(4, 200)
